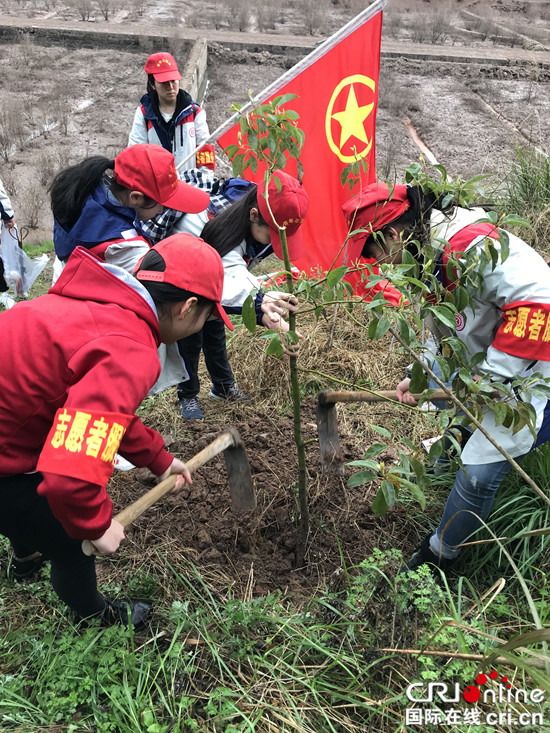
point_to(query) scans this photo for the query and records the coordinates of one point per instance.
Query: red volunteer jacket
(78, 363)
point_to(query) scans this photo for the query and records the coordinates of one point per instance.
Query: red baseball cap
(151, 170)
(371, 209)
(191, 264)
(289, 206)
(163, 67)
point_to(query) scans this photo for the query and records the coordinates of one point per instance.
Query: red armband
(525, 331)
(82, 444)
(206, 157)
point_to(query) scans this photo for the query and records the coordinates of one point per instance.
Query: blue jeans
(470, 500)
(474, 491)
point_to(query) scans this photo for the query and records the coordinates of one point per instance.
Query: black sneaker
(24, 569)
(233, 393)
(126, 610)
(424, 555)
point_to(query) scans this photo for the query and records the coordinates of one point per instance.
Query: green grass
(526, 191)
(33, 250)
(274, 663)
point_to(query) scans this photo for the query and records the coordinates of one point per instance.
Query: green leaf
(504, 240)
(511, 220)
(249, 313)
(444, 368)
(371, 465)
(334, 276)
(405, 441)
(407, 258)
(460, 298)
(384, 499)
(416, 491)
(540, 390)
(418, 379)
(382, 326)
(231, 150)
(444, 315)
(360, 478)
(418, 494)
(374, 450)
(283, 99)
(373, 325)
(419, 471)
(275, 347)
(467, 378)
(238, 164)
(253, 141)
(299, 136)
(500, 410)
(381, 431)
(405, 331)
(436, 450)
(417, 283)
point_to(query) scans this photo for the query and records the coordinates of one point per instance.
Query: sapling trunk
(295, 391)
(269, 136)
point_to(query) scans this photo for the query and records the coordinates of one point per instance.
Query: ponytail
(228, 229)
(72, 186)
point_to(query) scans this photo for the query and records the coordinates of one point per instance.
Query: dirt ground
(471, 117)
(257, 550)
(260, 546)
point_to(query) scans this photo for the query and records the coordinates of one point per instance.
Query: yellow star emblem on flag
(351, 117)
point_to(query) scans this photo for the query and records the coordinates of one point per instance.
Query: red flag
(337, 88)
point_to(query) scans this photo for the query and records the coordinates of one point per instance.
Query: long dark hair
(414, 223)
(72, 186)
(228, 229)
(164, 293)
(151, 86)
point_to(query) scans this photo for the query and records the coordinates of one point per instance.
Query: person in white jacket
(243, 234)
(508, 321)
(8, 221)
(167, 116)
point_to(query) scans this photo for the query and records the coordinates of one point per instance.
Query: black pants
(28, 522)
(3, 284)
(211, 339)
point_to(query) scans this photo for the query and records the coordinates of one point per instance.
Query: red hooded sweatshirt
(77, 364)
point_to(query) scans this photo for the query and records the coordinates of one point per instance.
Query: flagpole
(329, 43)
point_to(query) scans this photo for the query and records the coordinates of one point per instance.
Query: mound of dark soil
(198, 524)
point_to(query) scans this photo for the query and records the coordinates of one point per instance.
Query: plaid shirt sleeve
(161, 226)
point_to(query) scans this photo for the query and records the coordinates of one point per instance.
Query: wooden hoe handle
(133, 511)
(330, 398)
